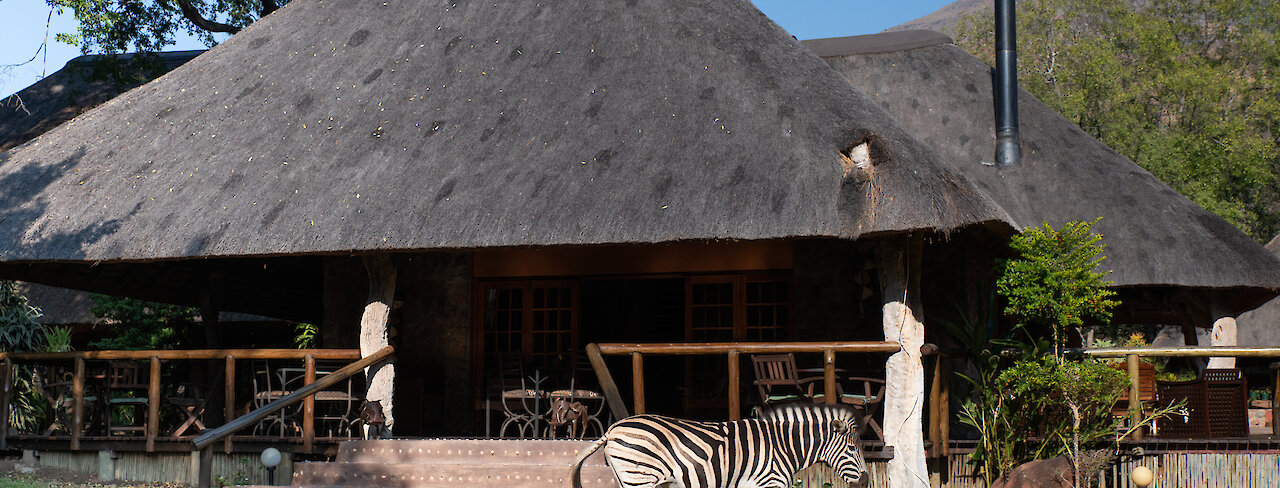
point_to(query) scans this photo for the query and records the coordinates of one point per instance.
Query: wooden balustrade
(1131, 355)
(155, 359)
(732, 350)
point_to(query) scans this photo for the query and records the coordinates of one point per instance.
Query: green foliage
(307, 336)
(20, 327)
(1052, 282)
(1184, 88)
(115, 26)
(58, 339)
(140, 325)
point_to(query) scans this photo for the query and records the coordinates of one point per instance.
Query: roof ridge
(884, 42)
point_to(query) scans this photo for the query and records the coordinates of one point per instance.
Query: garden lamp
(271, 459)
(1142, 476)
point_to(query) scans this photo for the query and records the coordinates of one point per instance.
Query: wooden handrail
(214, 435)
(170, 355)
(1189, 351)
(732, 350)
(716, 348)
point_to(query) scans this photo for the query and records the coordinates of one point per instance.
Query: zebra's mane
(783, 411)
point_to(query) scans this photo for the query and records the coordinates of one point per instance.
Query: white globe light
(270, 457)
(1142, 476)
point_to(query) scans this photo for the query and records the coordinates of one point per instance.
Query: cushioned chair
(778, 381)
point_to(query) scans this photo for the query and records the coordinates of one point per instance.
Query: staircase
(456, 463)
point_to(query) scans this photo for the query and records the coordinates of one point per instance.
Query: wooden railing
(306, 393)
(731, 349)
(1131, 355)
(229, 356)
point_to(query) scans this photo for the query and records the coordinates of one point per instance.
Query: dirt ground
(13, 469)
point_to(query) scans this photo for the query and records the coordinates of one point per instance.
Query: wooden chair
(127, 384)
(778, 381)
(865, 393)
(1228, 402)
(1193, 421)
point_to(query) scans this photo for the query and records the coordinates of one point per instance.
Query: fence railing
(8, 362)
(1131, 355)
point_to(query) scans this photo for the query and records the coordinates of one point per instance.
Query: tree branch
(194, 16)
(268, 6)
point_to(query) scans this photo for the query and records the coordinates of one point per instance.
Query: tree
(137, 324)
(1185, 88)
(115, 26)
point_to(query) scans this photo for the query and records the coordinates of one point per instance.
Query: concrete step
(352, 475)
(493, 452)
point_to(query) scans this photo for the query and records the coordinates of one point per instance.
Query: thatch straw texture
(339, 126)
(1154, 236)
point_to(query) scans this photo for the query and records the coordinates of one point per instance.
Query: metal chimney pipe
(1008, 144)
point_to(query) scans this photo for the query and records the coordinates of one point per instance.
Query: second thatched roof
(1154, 236)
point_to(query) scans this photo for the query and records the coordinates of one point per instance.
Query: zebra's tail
(582, 458)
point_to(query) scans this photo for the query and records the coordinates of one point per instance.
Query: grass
(17, 481)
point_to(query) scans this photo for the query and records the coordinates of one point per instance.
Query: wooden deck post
(205, 476)
(898, 261)
(829, 377)
(380, 378)
(940, 407)
(1275, 399)
(1135, 394)
(153, 405)
(229, 395)
(6, 389)
(309, 405)
(77, 404)
(735, 394)
(637, 381)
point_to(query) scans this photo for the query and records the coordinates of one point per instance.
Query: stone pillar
(1224, 330)
(374, 334)
(106, 465)
(898, 266)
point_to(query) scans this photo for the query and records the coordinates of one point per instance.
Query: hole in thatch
(857, 157)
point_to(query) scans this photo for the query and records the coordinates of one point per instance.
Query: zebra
(658, 451)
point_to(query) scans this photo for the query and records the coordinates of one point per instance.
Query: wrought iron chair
(592, 399)
(268, 386)
(520, 396)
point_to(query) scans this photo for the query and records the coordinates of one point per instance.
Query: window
(535, 320)
(737, 308)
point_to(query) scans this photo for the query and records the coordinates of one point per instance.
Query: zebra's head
(835, 432)
(844, 452)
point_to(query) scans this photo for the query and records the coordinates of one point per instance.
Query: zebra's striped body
(653, 451)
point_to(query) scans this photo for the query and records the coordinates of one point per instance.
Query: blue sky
(22, 29)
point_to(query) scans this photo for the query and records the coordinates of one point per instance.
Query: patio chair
(1193, 421)
(777, 379)
(520, 396)
(268, 386)
(592, 399)
(191, 399)
(863, 392)
(127, 385)
(1228, 402)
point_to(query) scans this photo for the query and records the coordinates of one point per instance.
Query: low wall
(179, 467)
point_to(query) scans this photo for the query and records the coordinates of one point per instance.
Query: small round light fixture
(271, 458)
(1142, 476)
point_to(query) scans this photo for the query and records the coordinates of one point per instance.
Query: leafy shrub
(141, 325)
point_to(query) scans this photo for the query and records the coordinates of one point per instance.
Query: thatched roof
(1154, 236)
(1261, 326)
(84, 83)
(350, 127)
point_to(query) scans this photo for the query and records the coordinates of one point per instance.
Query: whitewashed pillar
(374, 335)
(898, 267)
(1223, 332)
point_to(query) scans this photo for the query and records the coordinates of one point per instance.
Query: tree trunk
(898, 266)
(1224, 330)
(374, 334)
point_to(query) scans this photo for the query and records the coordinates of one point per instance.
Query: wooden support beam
(309, 406)
(205, 478)
(735, 393)
(829, 377)
(610, 389)
(153, 405)
(374, 335)
(940, 407)
(6, 389)
(1135, 394)
(77, 404)
(637, 382)
(898, 260)
(229, 394)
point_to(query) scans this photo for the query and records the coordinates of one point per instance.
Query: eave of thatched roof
(351, 127)
(1154, 236)
(85, 82)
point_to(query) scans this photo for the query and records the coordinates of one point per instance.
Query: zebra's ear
(839, 426)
